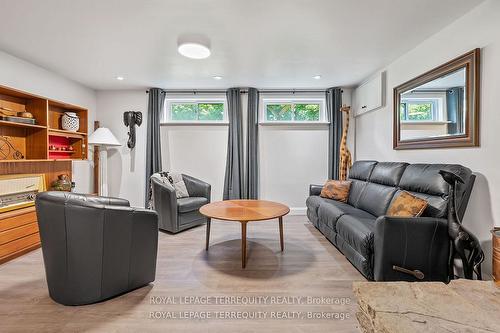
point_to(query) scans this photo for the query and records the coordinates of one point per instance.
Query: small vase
(70, 122)
(63, 183)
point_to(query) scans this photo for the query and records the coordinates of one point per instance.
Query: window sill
(194, 123)
(293, 123)
(425, 122)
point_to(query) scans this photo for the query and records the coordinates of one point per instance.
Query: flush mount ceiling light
(217, 77)
(194, 50)
(120, 78)
(317, 77)
(194, 46)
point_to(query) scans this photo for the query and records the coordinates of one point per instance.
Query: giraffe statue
(345, 160)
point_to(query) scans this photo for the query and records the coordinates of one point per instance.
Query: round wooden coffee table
(244, 211)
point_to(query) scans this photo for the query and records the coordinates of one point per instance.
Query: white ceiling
(262, 43)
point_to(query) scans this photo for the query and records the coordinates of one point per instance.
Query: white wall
(199, 151)
(22, 75)
(294, 156)
(479, 28)
(291, 157)
(126, 167)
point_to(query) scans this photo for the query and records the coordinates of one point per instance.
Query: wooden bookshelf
(20, 142)
(42, 147)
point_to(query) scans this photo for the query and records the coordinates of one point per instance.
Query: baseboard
(297, 211)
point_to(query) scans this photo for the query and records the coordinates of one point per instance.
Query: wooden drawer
(11, 248)
(19, 232)
(17, 218)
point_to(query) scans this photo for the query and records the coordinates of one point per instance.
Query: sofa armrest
(415, 243)
(315, 189)
(196, 187)
(164, 203)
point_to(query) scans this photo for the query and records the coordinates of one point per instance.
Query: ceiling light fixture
(194, 46)
(120, 78)
(217, 77)
(317, 77)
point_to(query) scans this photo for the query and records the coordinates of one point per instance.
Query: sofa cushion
(336, 190)
(357, 187)
(358, 232)
(437, 206)
(424, 178)
(376, 198)
(189, 204)
(330, 211)
(424, 181)
(361, 170)
(388, 173)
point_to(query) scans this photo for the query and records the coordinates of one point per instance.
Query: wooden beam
(96, 162)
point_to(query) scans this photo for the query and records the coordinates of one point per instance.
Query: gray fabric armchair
(95, 248)
(179, 214)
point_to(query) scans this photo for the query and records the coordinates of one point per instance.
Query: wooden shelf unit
(13, 124)
(33, 141)
(19, 228)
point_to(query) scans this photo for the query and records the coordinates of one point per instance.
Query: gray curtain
(333, 104)
(252, 169)
(234, 177)
(153, 146)
(455, 110)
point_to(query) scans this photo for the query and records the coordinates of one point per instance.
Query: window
(303, 111)
(195, 111)
(420, 110)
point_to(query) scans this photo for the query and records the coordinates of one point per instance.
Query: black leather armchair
(95, 248)
(179, 214)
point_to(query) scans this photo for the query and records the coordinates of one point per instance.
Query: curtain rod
(243, 91)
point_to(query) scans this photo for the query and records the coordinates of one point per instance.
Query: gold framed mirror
(440, 108)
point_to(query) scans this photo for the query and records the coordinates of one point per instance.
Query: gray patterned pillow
(178, 183)
(174, 179)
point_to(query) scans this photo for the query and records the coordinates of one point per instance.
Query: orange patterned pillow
(407, 205)
(336, 190)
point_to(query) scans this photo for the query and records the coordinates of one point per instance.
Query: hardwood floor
(309, 267)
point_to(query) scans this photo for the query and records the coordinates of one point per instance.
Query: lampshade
(103, 137)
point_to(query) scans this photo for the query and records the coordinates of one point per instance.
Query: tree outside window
(293, 112)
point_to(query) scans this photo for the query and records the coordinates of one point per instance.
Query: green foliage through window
(421, 111)
(293, 112)
(197, 111)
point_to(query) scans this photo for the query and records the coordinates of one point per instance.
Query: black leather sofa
(95, 248)
(174, 214)
(373, 242)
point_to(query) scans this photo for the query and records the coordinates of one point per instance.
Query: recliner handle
(416, 273)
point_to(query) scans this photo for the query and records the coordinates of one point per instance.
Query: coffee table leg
(243, 244)
(281, 234)
(208, 233)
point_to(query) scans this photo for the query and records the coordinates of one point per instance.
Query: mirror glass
(437, 108)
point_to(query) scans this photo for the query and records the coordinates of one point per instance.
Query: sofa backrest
(376, 184)
(359, 174)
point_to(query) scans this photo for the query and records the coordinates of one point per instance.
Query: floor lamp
(103, 138)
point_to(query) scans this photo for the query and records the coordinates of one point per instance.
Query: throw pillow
(178, 183)
(336, 190)
(407, 205)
